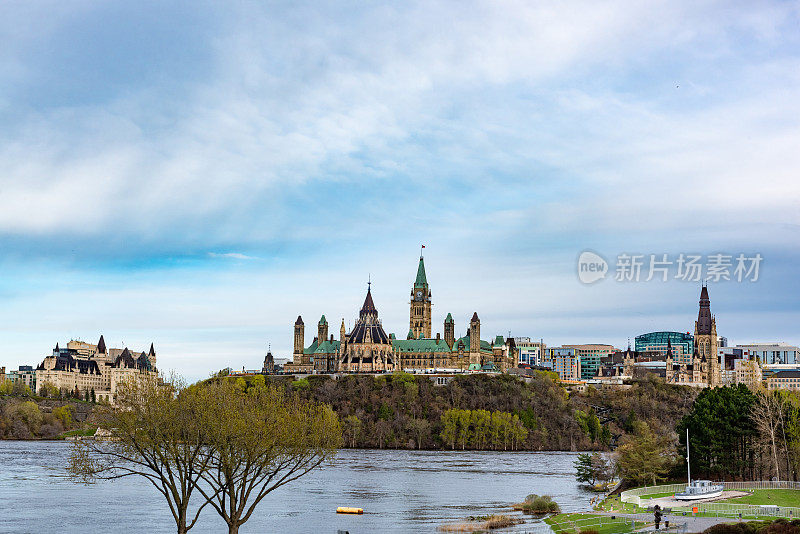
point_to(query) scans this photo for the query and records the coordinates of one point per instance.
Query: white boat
(698, 489)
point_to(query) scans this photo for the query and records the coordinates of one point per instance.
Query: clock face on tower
(419, 294)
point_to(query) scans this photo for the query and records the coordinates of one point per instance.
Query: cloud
(438, 100)
(507, 136)
(230, 255)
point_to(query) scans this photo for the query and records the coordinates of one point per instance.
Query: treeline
(481, 429)
(25, 419)
(734, 434)
(46, 391)
(478, 411)
(409, 411)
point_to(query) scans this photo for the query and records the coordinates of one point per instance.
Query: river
(400, 491)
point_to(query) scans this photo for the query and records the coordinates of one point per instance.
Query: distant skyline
(197, 174)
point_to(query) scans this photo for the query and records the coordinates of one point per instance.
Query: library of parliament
(367, 348)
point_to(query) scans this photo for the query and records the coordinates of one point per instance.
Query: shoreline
(39, 440)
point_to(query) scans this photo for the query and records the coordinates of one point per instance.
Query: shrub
(535, 504)
(27, 414)
(65, 414)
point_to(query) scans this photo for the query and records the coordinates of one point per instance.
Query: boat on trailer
(698, 489)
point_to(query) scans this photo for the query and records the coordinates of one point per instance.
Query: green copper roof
(474, 367)
(327, 347)
(485, 346)
(311, 348)
(323, 320)
(422, 280)
(499, 341)
(410, 334)
(419, 345)
(449, 319)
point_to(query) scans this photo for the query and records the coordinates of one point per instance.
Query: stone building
(269, 363)
(787, 379)
(82, 367)
(703, 369)
(367, 348)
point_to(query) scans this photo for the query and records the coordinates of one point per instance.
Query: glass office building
(682, 344)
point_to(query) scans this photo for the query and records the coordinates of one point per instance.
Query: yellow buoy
(348, 510)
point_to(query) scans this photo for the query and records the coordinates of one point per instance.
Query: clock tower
(420, 315)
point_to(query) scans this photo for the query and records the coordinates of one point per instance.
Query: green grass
(777, 497)
(603, 524)
(613, 504)
(81, 432)
(657, 495)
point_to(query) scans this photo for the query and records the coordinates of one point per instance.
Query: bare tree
(152, 433)
(767, 414)
(257, 442)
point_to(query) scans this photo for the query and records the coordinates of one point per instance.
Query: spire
(101, 345)
(474, 318)
(299, 320)
(323, 320)
(704, 314)
(448, 319)
(152, 350)
(56, 346)
(369, 306)
(422, 281)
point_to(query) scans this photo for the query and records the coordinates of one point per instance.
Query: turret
(322, 329)
(342, 332)
(475, 334)
(299, 340)
(449, 331)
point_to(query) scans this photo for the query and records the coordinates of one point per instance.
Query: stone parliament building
(368, 349)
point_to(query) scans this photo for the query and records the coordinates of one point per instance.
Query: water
(400, 491)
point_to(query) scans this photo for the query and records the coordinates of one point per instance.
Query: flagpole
(688, 467)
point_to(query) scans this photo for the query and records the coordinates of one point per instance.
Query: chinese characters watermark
(663, 267)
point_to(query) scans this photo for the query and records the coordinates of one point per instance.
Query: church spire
(704, 314)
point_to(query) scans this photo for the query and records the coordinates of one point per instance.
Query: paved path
(695, 524)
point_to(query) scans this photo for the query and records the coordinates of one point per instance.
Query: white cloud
(293, 94)
(230, 255)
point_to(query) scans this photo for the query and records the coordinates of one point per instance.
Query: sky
(197, 174)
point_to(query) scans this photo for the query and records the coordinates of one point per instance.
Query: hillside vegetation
(490, 412)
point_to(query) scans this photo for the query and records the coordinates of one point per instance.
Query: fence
(640, 496)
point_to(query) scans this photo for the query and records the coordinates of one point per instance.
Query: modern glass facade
(682, 344)
(772, 353)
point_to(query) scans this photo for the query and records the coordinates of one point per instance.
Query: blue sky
(197, 174)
